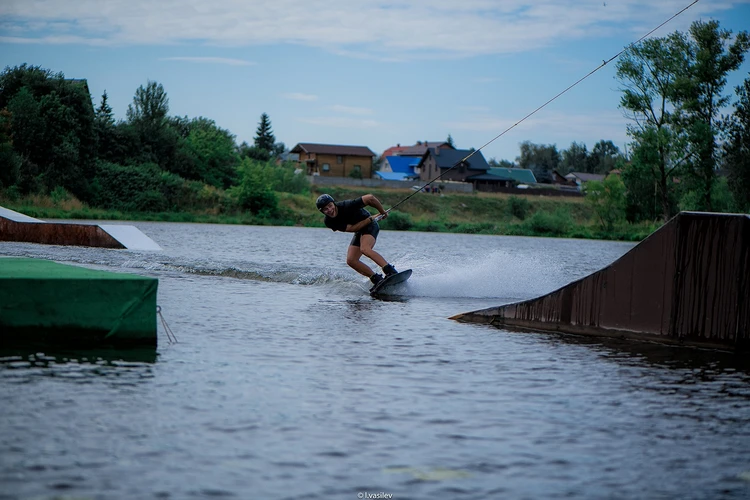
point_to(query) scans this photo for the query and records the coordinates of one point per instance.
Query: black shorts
(371, 228)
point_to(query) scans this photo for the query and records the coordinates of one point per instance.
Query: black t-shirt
(349, 212)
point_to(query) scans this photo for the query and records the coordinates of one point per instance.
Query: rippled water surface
(289, 381)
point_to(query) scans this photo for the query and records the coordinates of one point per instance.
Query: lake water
(289, 381)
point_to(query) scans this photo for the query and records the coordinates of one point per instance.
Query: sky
(361, 72)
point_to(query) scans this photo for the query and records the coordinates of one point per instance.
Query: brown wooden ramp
(687, 283)
(18, 227)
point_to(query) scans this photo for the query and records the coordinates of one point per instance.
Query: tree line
(53, 140)
(686, 151)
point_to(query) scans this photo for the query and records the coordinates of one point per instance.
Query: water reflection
(41, 356)
(663, 355)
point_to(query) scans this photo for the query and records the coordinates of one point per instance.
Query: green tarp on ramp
(43, 301)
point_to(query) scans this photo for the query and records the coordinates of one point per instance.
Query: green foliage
(501, 163)
(737, 150)
(59, 195)
(721, 196)
(648, 72)
(604, 157)
(287, 179)
(264, 138)
(556, 223)
(518, 207)
(255, 190)
(52, 125)
(399, 221)
(150, 106)
(693, 200)
(542, 159)
(149, 136)
(674, 85)
(210, 153)
(104, 115)
(39, 81)
(10, 161)
(131, 188)
(104, 123)
(607, 200)
(575, 159)
(254, 153)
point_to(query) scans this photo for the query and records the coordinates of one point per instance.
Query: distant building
(394, 150)
(399, 168)
(581, 178)
(418, 150)
(435, 161)
(333, 160)
(558, 178)
(500, 177)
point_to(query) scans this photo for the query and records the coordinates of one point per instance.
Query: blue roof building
(398, 168)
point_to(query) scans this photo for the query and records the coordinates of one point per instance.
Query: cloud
(55, 40)
(298, 96)
(350, 110)
(383, 30)
(211, 60)
(340, 122)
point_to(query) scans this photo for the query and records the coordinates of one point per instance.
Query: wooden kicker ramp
(687, 283)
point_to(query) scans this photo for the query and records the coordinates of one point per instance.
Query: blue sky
(360, 72)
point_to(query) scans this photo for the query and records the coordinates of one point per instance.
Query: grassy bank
(481, 213)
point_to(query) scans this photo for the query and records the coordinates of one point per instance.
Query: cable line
(604, 63)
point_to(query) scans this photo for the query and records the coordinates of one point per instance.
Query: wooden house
(332, 160)
(435, 161)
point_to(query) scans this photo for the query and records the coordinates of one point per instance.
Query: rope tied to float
(604, 63)
(170, 335)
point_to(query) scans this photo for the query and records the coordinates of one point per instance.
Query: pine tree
(104, 115)
(264, 139)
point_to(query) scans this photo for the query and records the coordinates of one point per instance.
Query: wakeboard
(389, 283)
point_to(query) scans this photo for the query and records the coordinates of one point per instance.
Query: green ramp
(46, 302)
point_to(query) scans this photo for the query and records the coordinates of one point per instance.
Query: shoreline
(477, 213)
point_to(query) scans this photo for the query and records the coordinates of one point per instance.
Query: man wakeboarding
(350, 216)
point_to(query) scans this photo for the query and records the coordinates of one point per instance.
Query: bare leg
(366, 242)
(352, 259)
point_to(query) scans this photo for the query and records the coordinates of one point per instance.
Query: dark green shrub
(398, 221)
(518, 207)
(549, 224)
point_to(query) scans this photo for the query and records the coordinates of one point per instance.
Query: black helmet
(323, 200)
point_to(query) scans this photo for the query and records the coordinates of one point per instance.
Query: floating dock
(18, 227)
(44, 302)
(688, 283)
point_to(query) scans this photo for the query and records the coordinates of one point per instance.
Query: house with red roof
(418, 149)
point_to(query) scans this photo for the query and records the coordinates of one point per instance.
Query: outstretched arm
(371, 201)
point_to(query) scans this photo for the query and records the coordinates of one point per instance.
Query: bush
(255, 191)
(286, 179)
(398, 221)
(556, 223)
(59, 195)
(518, 207)
(130, 188)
